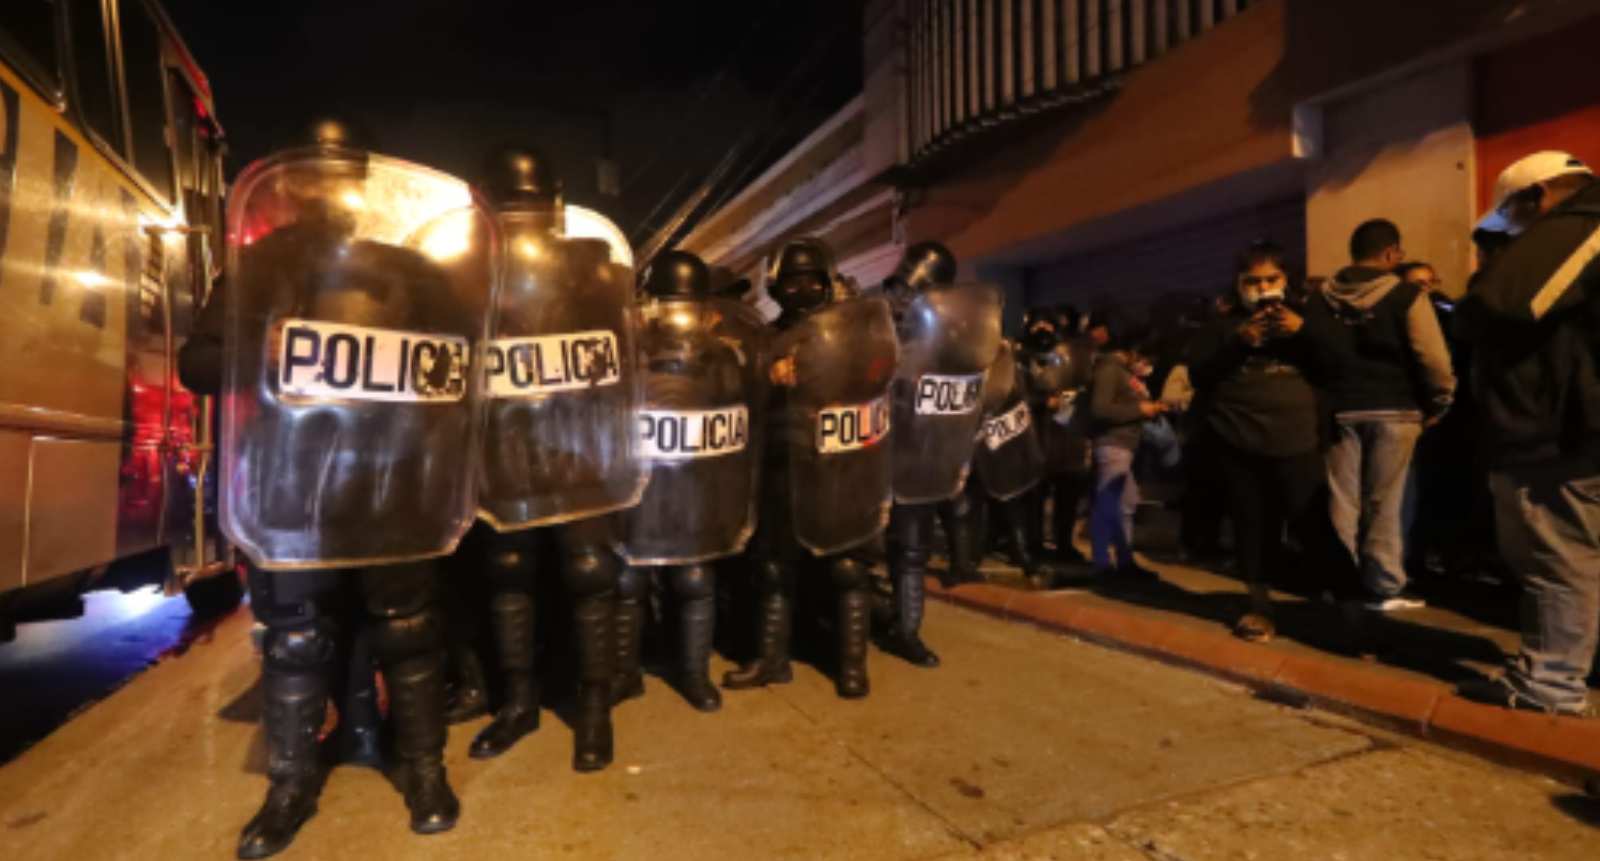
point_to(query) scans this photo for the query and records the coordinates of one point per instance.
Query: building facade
(1121, 152)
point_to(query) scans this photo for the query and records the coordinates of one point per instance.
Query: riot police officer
(333, 460)
(827, 470)
(1054, 360)
(704, 385)
(559, 451)
(1008, 464)
(949, 337)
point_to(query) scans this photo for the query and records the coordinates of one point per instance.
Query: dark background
(443, 81)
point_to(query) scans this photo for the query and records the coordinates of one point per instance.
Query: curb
(1567, 749)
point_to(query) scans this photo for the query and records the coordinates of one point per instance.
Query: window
(91, 66)
(144, 72)
(28, 40)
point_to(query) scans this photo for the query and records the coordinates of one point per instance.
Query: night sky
(443, 81)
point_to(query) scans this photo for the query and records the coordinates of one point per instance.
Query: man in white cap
(1534, 316)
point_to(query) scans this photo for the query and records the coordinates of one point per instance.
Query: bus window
(144, 74)
(91, 66)
(28, 42)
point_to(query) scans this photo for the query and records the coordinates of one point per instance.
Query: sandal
(1255, 628)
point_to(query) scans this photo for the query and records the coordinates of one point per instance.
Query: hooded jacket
(1397, 365)
(1532, 317)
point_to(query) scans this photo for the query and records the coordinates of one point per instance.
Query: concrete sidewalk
(1022, 746)
(1185, 619)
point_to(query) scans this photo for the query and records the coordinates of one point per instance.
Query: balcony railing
(975, 65)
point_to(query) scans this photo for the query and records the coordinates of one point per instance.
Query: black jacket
(1264, 400)
(1533, 317)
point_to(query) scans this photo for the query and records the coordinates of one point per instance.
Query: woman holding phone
(1258, 367)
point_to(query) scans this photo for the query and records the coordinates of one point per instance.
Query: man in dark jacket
(1396, 379)
(1532, 316)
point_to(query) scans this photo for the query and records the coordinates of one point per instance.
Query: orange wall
(1543, 94)
(1214, 107)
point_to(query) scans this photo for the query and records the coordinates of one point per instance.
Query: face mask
(1253, 297)
(805, 296)
(1041, 340)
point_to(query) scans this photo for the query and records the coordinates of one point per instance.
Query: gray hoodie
(1397, 363)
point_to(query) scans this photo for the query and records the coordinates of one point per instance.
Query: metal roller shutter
(1144, 274)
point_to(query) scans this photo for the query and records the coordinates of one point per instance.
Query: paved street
(1023, 746)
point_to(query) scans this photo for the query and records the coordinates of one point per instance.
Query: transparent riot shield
(1009, 458)
(949, 337)
(704, 374)
(838, 423)
(358, 291)
(560, 442)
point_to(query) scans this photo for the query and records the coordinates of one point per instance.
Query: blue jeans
(1116, 498)
(1367, 469)
(1548, 516)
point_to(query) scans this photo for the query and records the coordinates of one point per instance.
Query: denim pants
(1116, 498)
(1549, 522)
(1367, 470)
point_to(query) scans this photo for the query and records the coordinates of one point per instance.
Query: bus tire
(216, 596)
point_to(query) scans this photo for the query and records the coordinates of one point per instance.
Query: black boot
(597, 672)
(906, 640)
(511, 616)
(518, 716)
(292, 711)
(1038, 575)
(854, 625)
(416, 698)
(771, 664)
(630, 644)
(361, 722)
(470, 699)
(698, 620)
(958, 518)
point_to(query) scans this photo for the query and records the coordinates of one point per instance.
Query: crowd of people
(631, 441)
(1360, 430)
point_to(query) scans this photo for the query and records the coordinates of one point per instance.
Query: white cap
(1530, 171)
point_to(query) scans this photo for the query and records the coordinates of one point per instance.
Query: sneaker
(1500, 691)
(1402, 600)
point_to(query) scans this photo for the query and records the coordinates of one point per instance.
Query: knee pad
(397, 638)
(590, 571)
(299, 648)
(772, 577)
(694, 582)
(392, 591)
(634, 584)
(510, 561)
(847, 574)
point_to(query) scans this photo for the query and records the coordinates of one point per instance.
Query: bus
(111, 190)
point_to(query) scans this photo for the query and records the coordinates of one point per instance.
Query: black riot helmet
(334, 132)
(1043, 328)
(677, 274)
(802, 276)
(519, 174)
(924, 265)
